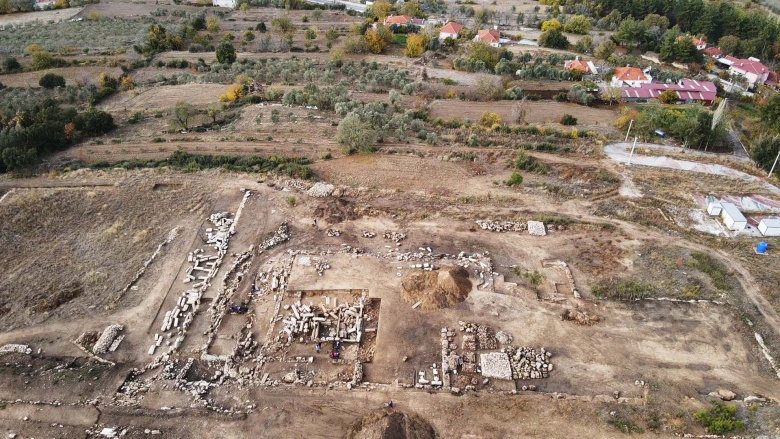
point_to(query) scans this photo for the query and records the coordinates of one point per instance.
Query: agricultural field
(282, 220)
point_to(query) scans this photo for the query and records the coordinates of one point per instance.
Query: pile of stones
(395, 236)
(502, 226)
(333, 232)
(369, 234)
(485, 338)
(496, 365)
(281, 235)
(536, 228)
(324, 322)
(107, 339)
(321, 267)
(528, 363)
(17, 348)
(321, 190)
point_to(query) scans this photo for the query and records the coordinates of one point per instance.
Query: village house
(450, 30)
(586, 67)
(225, 3)
(754, 72)
(713, 52)
(490, 37)
(688, 91)
(404, 20)
(630, 77)
(700, 43)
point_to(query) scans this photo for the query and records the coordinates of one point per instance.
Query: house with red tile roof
(700, 43)
(586, 67)
(630, 77)
(754, 72)
(714, 52)
(404, 20)
(450, 30)
(491, 37)
(688, 91)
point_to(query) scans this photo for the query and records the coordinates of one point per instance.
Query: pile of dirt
(443, 288)
(335, 210)
(391, 425)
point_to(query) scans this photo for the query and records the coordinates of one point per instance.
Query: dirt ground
(43, 16)
(72, 75)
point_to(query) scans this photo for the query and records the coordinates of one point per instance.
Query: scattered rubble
(502, 226)
(580, 317)
(528, 363)
(281, 235)
(369, 234)
(17, 348)
(333, 232)
(395, 236)
(328, 321)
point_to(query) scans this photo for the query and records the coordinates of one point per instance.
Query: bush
(515, 180)
(720, 418)
(525, 162)
(10, 64)
(94, 121)
(51, 80)
(489, 119)
(355, 135)
(568, 120)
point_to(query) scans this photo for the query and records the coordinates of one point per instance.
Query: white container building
(732, 217)
(769, 227)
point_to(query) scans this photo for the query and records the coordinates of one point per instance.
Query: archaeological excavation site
(168, 304)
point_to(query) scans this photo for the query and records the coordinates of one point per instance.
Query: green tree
(720, 418)
(584, 45)
(5, 7)
(411, 8)
(553, 39)
(631, 32)
(605, 49)
(577, 24)
(226, 53)
(668, 97)
(764, 150)
(282, 24)
(212, 23)
(261, 27)
(354, 135)
(182, 114)
(51, 80)
(770, 112)
(380, 10)
(331, 35)
(316, 14)
(515, 180)
(10, 64)
(728, 44)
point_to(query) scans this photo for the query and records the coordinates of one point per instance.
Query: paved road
(621, 151)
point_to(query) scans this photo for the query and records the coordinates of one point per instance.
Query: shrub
(720, 418)
(515, 180)
(355, 135)
(10, 64)
(489, 119)
(525, 162)
(51, 80)
(568, 119)
(226, 53)
(94, 121)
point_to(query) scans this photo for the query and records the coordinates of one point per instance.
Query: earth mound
(443, 288)
(390, 425)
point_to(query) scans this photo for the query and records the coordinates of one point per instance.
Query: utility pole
(630, 156)
(629, 129)
(773, 166)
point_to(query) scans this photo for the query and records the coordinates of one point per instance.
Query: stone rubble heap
(327, 321)
(449, 358)
(281, 235)
(536, 228)
(435, 381)
(495, 365)
(321, 190)
(218, 238)
(528, 363)
(369, 234)
(107, 338)
(503, 338)
(395, 236)
(321, 266)
(485, 338)
(333, 232)
(17, 348)
(502, 226)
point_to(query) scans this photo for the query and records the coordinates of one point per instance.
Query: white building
(44, 4)
(732, 217)
(714, 208)
(225, 3)
(450, 30)
(769, 227)
(630, 77)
